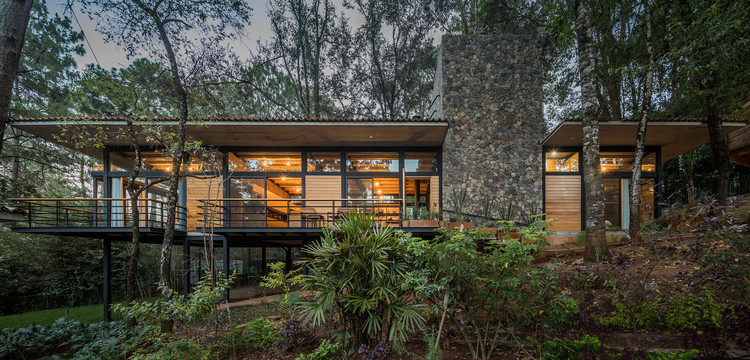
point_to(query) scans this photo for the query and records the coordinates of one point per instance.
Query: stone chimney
(490, 89)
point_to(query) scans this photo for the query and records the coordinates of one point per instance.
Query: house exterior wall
(490, 88)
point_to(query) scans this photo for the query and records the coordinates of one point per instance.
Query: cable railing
(293, 213)
(96, 213)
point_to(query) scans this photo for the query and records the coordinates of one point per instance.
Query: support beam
(225, 248)
(288, 258)
(263, 262)
(107, 279)
(186, 266)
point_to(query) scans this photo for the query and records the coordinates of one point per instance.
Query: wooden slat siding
(563, 202)
(738, 143)
(199, 189)
(322, 187)
(434, 193)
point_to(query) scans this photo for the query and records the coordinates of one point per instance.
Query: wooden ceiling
(674, 137)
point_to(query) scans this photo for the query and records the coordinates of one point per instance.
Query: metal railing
(96, 213)
(293, 213)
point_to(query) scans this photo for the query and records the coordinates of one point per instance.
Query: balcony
(94, 216)
(300, 214)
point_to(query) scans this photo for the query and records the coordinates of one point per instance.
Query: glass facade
(372, 162)
(561, 161)
(323, 162)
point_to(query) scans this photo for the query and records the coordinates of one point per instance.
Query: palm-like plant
(356, 271)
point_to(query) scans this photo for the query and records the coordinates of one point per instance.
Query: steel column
(106, 288)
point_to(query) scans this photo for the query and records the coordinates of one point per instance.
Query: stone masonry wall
(490, 89)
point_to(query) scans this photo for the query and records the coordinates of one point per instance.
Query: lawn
(87, 314)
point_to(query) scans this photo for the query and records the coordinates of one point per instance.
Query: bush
(487, 287)
(188, 310)
(325, 351)
(259, 333)
(111, 340)
(182, 349)
(356, 272)
(590, 347)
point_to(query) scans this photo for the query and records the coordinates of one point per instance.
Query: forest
(602, 59)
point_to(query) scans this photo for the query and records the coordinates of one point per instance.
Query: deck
(243, 222)
(738, 143)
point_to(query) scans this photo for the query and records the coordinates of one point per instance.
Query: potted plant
(424, 219)
(458, 201)
(437, 215)
(405, 218)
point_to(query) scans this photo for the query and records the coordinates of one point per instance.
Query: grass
(246, 314)
(87, 314)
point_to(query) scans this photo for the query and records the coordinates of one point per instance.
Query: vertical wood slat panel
(563, 202)
(200, 189)
(322, 187)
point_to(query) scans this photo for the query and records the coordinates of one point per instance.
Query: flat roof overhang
(266, 133)
(675, 137)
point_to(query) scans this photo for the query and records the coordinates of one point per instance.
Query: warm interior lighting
(377, 184)
(283, 178)
(380, 191)
(554, 153)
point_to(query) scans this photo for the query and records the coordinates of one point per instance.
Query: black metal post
(186, 266)
(263, 261)
(288, 259)
(106, 288)
(225, 247)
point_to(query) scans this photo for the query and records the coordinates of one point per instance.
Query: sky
(109, 55)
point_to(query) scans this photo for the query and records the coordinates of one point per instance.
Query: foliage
(356, 271)
(589, 347)
(292, 333)
(434, 352)
(325, 351)
(678, 312)
(260, 333)
(189, 310)
(381, 350)
(489, 287)
(181, 348)
(458, 203)
(83, 341)
(278, 278)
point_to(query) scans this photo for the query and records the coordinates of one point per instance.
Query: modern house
(269, 186)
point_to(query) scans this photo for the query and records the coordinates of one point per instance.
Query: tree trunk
(595, 247)
(135, 249)
(634, 229)
(719, 149)
(687, 167)
(14, 18)
(178, 154)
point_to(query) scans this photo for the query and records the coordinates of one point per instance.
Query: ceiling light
(377, 184)
(283, 178)
(380, 191)
(370, 136)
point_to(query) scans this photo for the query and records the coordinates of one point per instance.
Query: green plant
(181, 348)
(186, 309)
(487, 205)
(102, 340)
(434, 352)
(458, 201)
(422, 213)
(279, 278)
(356, 271)
(507, 210)
(588, 347)
(485, 289)
(325, 351)
(686, 311)
(259, 333)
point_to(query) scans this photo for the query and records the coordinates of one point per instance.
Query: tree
(635, 182)
(596, 238)
(161, 27)
(396, 62)
(303, 35)
(14, 17)
(711, 47)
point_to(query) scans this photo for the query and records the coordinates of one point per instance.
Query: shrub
(259, 333)
(182, 349)
(279, 278)
(486, 288)
(325, 351)
(189, 310)
(590, 347)
(111, 340)
(356, 271)
(292, 333)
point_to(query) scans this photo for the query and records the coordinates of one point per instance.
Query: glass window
(616, 161)
(152, 161)
(323, 161)
(284, 187)
(265, 161)
(372, 162)
(359, 188)
(247, 188)
(207, 162)
(561, 161)
(612, 203)
(420, 162)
